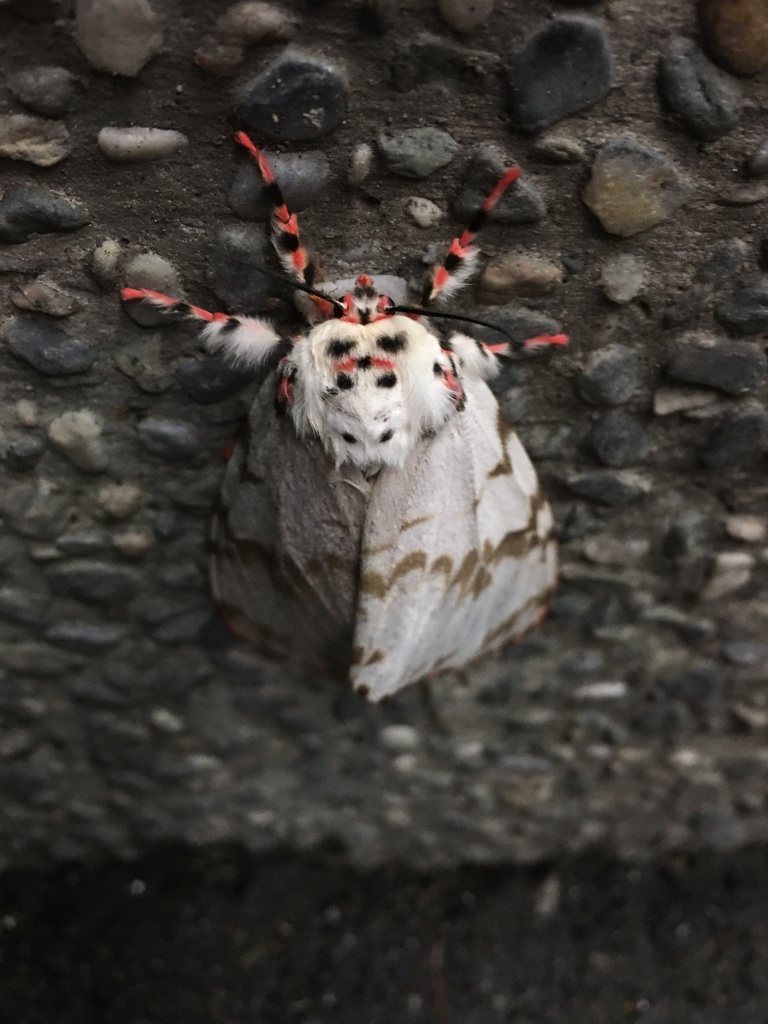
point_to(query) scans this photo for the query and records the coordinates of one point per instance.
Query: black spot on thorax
(392, 342)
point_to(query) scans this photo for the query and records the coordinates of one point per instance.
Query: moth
(379, 516)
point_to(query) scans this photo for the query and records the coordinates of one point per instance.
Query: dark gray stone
(84, 637)
(168, 524)
(24, 453)
(416, 152)
(563, 67)
(611, 375)
(293, 100)
(685, 535)
(94, 581)
(746, 652)
(708, 279)
(698, 687)
(745, 311)
(607, 487)
(48, 90)
(170, 440)
(731, 366)
(24, 607)
(619, 439)
(521, 323)
(739, 441)
(520, 204)
(84, 543)
(32, 511)
(707, 100)
(27, 209)
(301, 177)
(46, 347)
(211, 380)
(241, 250)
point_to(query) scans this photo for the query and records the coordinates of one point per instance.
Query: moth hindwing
(379, 516)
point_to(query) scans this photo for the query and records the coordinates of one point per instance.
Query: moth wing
(457, 556)
(286, 542)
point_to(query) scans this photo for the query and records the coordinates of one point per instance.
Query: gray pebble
(44, 296)
(35, 510)
(24, 453)
(757, 161)
(170, 440)
(685, 535)
(739, 441)
(142, 361)
(48, 90)
(416, 152)
(293, 100)
(745, 311)
(168, 524)
(611, 375)
(558, 148)
(301, 177)
(731, 366)
(118, 36)
(465, 15)
(633, 187)
(699, 687)
(26, 210)
(24, 607)
(565, 66)
(105, 263)
(622, 278)
(711, 275)
(707, 100)
(520, 204)
(77, 435)
(83, 543)
(39, 142)
(746, 652)
(84, 637)
(138, 145)
(241, 250)
(429, 56)
(47, 348)
(521, 323)
(614, 488)
(94, 581)
(211, 380)
(148, 270)
(618, 439)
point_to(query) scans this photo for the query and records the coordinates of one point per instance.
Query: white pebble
(423, 211)
(730, 571)
(118, 36)
(131, 145)
(465, 15)
(133, 543)
(27, 412)
(119, 500)
(400, 737)
(360, 164)
(608, 690)
(148, 270)
(77, 435)
(105, 263)
(622, 278)
(33, 139)
(751, 529)
(254, 22)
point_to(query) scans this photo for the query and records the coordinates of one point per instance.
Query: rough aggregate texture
(634, 719)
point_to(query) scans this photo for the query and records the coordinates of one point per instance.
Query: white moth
(379, 515)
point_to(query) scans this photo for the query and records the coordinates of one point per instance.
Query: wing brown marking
(506, 430)
(443, 563)
(358, 653)
(332, 562)
(482, 579)
(376, 585)
(377, 655)
(415, 522)
(463, 575)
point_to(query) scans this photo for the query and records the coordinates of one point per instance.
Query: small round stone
(739, 441)
(84, 637)
(27, 412)
(707, 100)
(360, 163)
(750, 529)
(24, 453)
(211, 380)
(105, 263)
(119, 501)
(77, 435)
(423, 212)
(622, 278)
(44, 296)
(28, 609)
(47, 90)
(745, 310)
(731, 366)
(730, 571)
(253, 21)
(520, 204)
(736, 32)
(611, 375)
(416, 152)
(565, 66)
(302, 177)
(465, 15)
(615, 488)
(46, 347)
(27, 209)
(633, 187)
(23, 137)
(170, 440)
(118, 36)
(133, 543)
(148, 270)
(518, 274)
(134, 145)
(293, 100)
(618, 439)
(94, 581)
(558, 148)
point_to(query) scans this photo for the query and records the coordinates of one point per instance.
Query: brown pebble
(517, 275)
(737, 33)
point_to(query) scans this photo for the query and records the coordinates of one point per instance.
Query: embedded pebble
(423, 212)
(428, 57)
(43, 296)
(132, 145)
(613, 488)
(746, 652)
(23, 137)
(564, 67)
(611, 375)
(746, 309)
(685, 534)
(148, 270)
(253, 21)
(400, 737)
(360, 163)
(47, 90)
(743, 195)
(757, 161)
(736, 32)
(28, 609)
(77, 435)
(302, 177)
(707, 100)
(241, 250)
(557, 148)
(293, 100)
(219, 57)
(698, 686)
(37, 659)
(26, 210)
(27, 412)
(710, 276)
(521, 324)
(730, 571)
(211, 380)
(46, 347)
(517, 274)
(105, 263)
(94, 581)
(739, 441)
(24, 453)
(35, 509)
(751, 529)
(668, 401)
(84, 637)
(465, 15)
(618, 439)
(142, 361)
(633, 187)
(520, 204)
(731, 366)
(608, 690)
(118, 36)
(622, 278)
(170, 440)
(119, 501)
(416, 152)
(133, 543)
